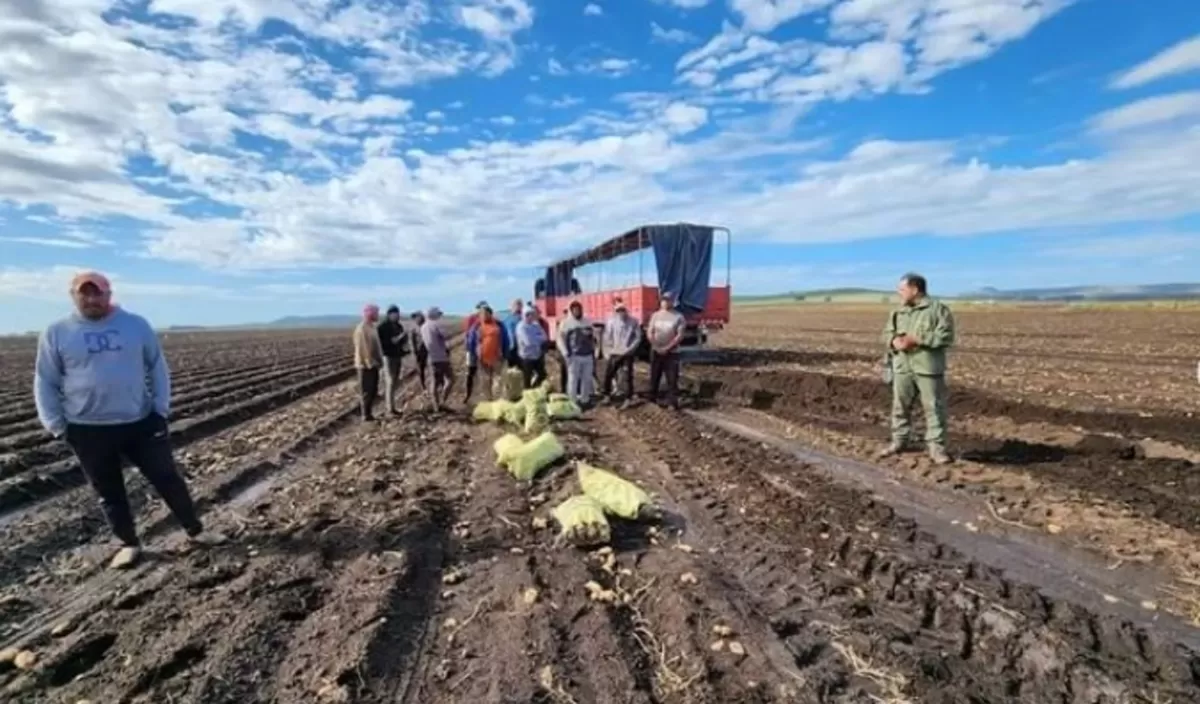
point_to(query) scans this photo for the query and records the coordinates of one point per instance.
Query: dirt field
(1055, 561)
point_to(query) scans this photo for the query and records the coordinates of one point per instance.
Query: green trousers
(931, 390)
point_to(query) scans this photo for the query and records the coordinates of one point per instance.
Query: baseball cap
(94, 278)
(667, 296)
(393, 309)
(481, 304)
(619, 305)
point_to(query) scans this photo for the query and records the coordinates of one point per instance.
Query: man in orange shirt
(487, 343)
(472, 361)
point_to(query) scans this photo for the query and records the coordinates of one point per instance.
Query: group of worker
(521, 340)
(102, 384)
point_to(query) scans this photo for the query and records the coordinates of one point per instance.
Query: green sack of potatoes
(534, 456)
(513, 384)
(514, 413)
(557, 397)
(619, 497)
(564, 409)
(536, 394)
(581, 521)
(506, 447)
(487, 410)
(536, 417)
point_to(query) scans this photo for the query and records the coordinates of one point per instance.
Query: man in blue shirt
(91, 390)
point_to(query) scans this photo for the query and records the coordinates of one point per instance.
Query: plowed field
(394, 562)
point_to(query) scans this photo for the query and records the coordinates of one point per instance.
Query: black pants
(534, 371)
(472, 372)
(147, 445)
(623, 365)
(422, 357)
(368, 384)
(665, 365)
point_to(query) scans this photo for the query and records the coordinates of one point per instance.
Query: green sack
(536, 417)
(506, 447)
(513, 384)
(514, 413)
(618, 496)
(563, 409)
(581, 521)
(537, 394)
(487, 411)
(557, 397)
(534, 456)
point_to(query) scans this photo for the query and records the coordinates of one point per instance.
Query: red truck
(682, 254)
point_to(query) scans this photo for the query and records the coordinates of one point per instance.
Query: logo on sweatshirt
(100, 342)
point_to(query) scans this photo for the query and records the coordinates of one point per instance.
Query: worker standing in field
(665, 333)
(368, 360)
(577, 344)
(531, 347)
(420, 353)
(917, 336)
(101, 384)
(487, 342)
(622, 337)
(392, 339)
(516, 315)
(472, 362)
(435, 343)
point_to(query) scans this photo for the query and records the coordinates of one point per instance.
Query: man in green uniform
(917, 335)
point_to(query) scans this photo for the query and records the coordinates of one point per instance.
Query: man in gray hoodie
(577, 343)
(101, 384)
(622, 337)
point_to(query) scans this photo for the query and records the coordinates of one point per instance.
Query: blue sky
(238, 160)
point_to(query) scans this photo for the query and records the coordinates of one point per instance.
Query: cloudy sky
(237, 160)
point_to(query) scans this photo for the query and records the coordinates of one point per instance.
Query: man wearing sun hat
(101, 384)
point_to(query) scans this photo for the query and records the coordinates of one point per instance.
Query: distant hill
(1147, 292)
(309, 321)
(831, 295)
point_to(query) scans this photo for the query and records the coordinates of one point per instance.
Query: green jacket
(932, 324)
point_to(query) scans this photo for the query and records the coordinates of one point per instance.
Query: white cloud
(766, 15)
(1181, 58)
(497, 20)
(876, 46)
(240, 156)
(1151, 112)
(686, 4)
(593, 9)
(681, 118)
(555, 68)
(670, 36)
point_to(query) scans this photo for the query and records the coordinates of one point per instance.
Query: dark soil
(394, 562)
(1110, 468)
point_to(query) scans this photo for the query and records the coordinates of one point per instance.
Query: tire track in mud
(186, 387)
(36, 447)
(515, 624)
(23, 491)
(868, 604)
(1162, 489)
(317, 582)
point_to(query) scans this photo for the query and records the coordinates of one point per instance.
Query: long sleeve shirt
(368, 351)
(576, 337)
(100, 372)
(622, 335)
(531, 340)
(435, 342)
